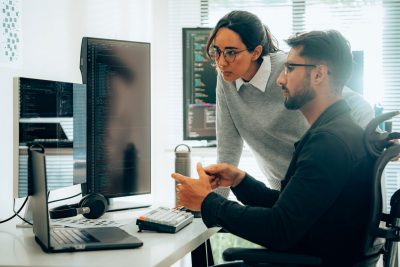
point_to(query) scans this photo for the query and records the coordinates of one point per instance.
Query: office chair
(383, 231)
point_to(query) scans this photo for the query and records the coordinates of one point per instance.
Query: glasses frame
(220, 52)
(287, 65)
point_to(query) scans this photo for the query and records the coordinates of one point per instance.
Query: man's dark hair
(250, 29)
(326, 47)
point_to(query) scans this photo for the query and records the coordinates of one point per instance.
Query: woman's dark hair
(329, 47)
(250, 29)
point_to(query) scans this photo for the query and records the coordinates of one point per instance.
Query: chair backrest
(381, 232)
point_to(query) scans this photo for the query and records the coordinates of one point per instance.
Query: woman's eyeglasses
(229, 53)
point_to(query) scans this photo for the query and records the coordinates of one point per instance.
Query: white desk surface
(19, 248)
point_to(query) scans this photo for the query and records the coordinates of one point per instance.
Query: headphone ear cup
(96, 202)
(63, 211)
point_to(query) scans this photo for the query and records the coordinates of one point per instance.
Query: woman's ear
(257, 52)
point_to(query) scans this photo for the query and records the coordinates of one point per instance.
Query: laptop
(68, 239)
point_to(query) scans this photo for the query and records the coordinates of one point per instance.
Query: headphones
(91, 206)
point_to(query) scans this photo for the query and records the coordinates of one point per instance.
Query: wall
(51, 33)
(162, 161)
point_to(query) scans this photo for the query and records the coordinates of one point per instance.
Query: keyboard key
(72, 236)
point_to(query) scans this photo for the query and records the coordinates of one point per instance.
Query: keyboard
(165, 220)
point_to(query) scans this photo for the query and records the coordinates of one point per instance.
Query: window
(391, 79)
(351, 18)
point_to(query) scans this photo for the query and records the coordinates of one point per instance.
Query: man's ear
(256, 52)
(320, 73)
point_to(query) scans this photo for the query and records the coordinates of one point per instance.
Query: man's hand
(192, 192)
(224, 175)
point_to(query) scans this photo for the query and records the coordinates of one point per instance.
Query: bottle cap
(180, 152)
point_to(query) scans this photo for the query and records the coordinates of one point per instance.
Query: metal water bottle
(182, 161)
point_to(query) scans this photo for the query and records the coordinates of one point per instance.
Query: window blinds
(181, 14)
(391, 77)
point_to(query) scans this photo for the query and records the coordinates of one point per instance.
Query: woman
(249, 102)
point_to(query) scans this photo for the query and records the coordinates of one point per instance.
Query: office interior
(50, 34)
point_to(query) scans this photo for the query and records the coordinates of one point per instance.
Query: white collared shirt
(261, 77)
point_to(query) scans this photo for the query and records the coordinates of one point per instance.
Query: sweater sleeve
(311, 191)
(260, 196)
(230, 143)
(361, 110)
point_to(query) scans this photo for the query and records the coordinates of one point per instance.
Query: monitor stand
(129, 202)
(205, 143)
(27, 216)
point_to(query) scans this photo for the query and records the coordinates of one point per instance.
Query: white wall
(162, 161)
(51, 33)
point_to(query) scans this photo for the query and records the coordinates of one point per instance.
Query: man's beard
(300, 98)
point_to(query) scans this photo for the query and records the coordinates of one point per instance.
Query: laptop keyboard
(71, 236)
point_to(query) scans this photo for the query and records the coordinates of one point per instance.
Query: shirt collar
(261, 77)
(336, 109)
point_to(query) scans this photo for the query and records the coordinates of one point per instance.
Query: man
(323, 205)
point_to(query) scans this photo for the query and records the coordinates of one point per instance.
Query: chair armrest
(260, 255)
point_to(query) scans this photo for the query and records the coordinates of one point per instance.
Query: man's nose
(281, 78)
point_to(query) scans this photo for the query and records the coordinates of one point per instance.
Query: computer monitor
(199, 81)
(117, 75)
(43, 113)
(199, 84)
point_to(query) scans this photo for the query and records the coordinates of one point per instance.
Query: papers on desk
(81, 222)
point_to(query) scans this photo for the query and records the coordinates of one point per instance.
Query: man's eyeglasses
(289, 67)
(229, 53)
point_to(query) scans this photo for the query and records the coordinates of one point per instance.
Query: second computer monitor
(117, 75)
(199, 81)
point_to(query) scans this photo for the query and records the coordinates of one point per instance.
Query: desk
(19, 248)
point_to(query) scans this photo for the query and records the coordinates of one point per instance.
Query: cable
(16, 213)
(62, 198)
(26, 221)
